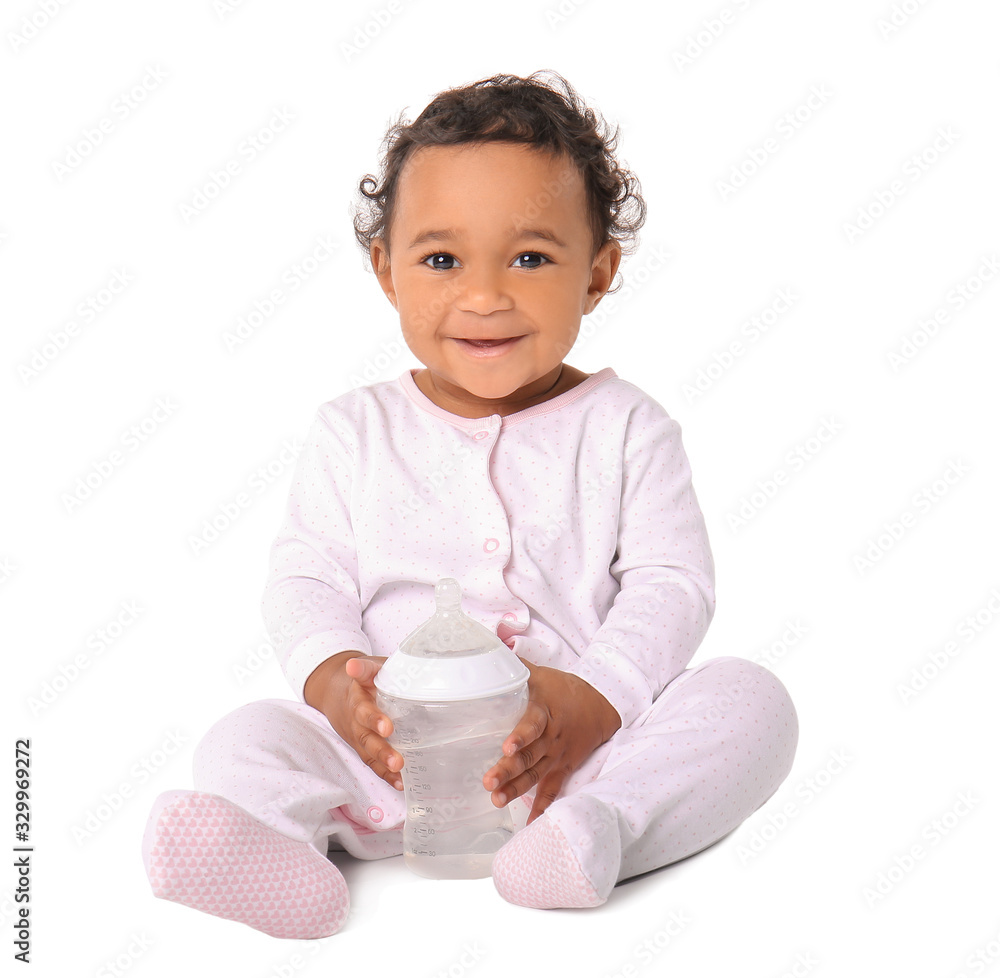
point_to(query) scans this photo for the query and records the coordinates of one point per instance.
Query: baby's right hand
(343, 689)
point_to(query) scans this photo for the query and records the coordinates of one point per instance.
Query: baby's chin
(497, 387)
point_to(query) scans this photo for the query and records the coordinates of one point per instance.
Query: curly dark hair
(549, 116)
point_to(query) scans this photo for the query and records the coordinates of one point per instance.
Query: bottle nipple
(450, 657)
(447, 595)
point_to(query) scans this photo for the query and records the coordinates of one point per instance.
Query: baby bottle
(454, 692)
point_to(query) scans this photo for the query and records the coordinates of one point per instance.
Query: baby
(561, 501)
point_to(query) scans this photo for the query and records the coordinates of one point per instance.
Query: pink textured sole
(203, 851)
(537, 868)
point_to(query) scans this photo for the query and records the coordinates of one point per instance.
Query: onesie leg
(282, 762)
(711, 750)
(275, 786)
(207, 853)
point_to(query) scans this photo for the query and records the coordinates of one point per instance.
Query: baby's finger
(375, 749)
(516, 787)
(367, 714)
(392, 778)
(523, 765)
(527, 730)
(547, 792)
(364, 708)
(521, 749)
(363, 668)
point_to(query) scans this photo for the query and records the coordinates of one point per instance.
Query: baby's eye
(439, 260)
(532, 256)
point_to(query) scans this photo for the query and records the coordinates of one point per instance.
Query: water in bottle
(454, 692)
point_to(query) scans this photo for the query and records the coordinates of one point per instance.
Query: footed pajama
(575, 533)
(714, 746)
(207, 853)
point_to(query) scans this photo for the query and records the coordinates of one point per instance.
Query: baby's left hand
(565, 721)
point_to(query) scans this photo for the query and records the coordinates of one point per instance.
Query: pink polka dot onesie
(574, 531)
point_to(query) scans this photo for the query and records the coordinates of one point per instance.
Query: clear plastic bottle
(454, 692)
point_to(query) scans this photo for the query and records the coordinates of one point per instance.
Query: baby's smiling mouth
(488, 342)
(485, 346)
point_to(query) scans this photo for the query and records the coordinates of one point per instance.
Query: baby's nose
(483, 291)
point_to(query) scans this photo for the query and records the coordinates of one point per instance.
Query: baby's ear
(379, 254)
(602, 274)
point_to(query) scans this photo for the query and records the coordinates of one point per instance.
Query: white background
(796, 889)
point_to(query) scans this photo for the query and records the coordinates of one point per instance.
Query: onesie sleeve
(312, 603)
(664, 566)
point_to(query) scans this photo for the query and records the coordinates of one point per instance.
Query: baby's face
(491, 241)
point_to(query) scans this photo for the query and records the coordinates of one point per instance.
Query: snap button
(376, 814)
(490, 545)
(509, 617)
(481, 434)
